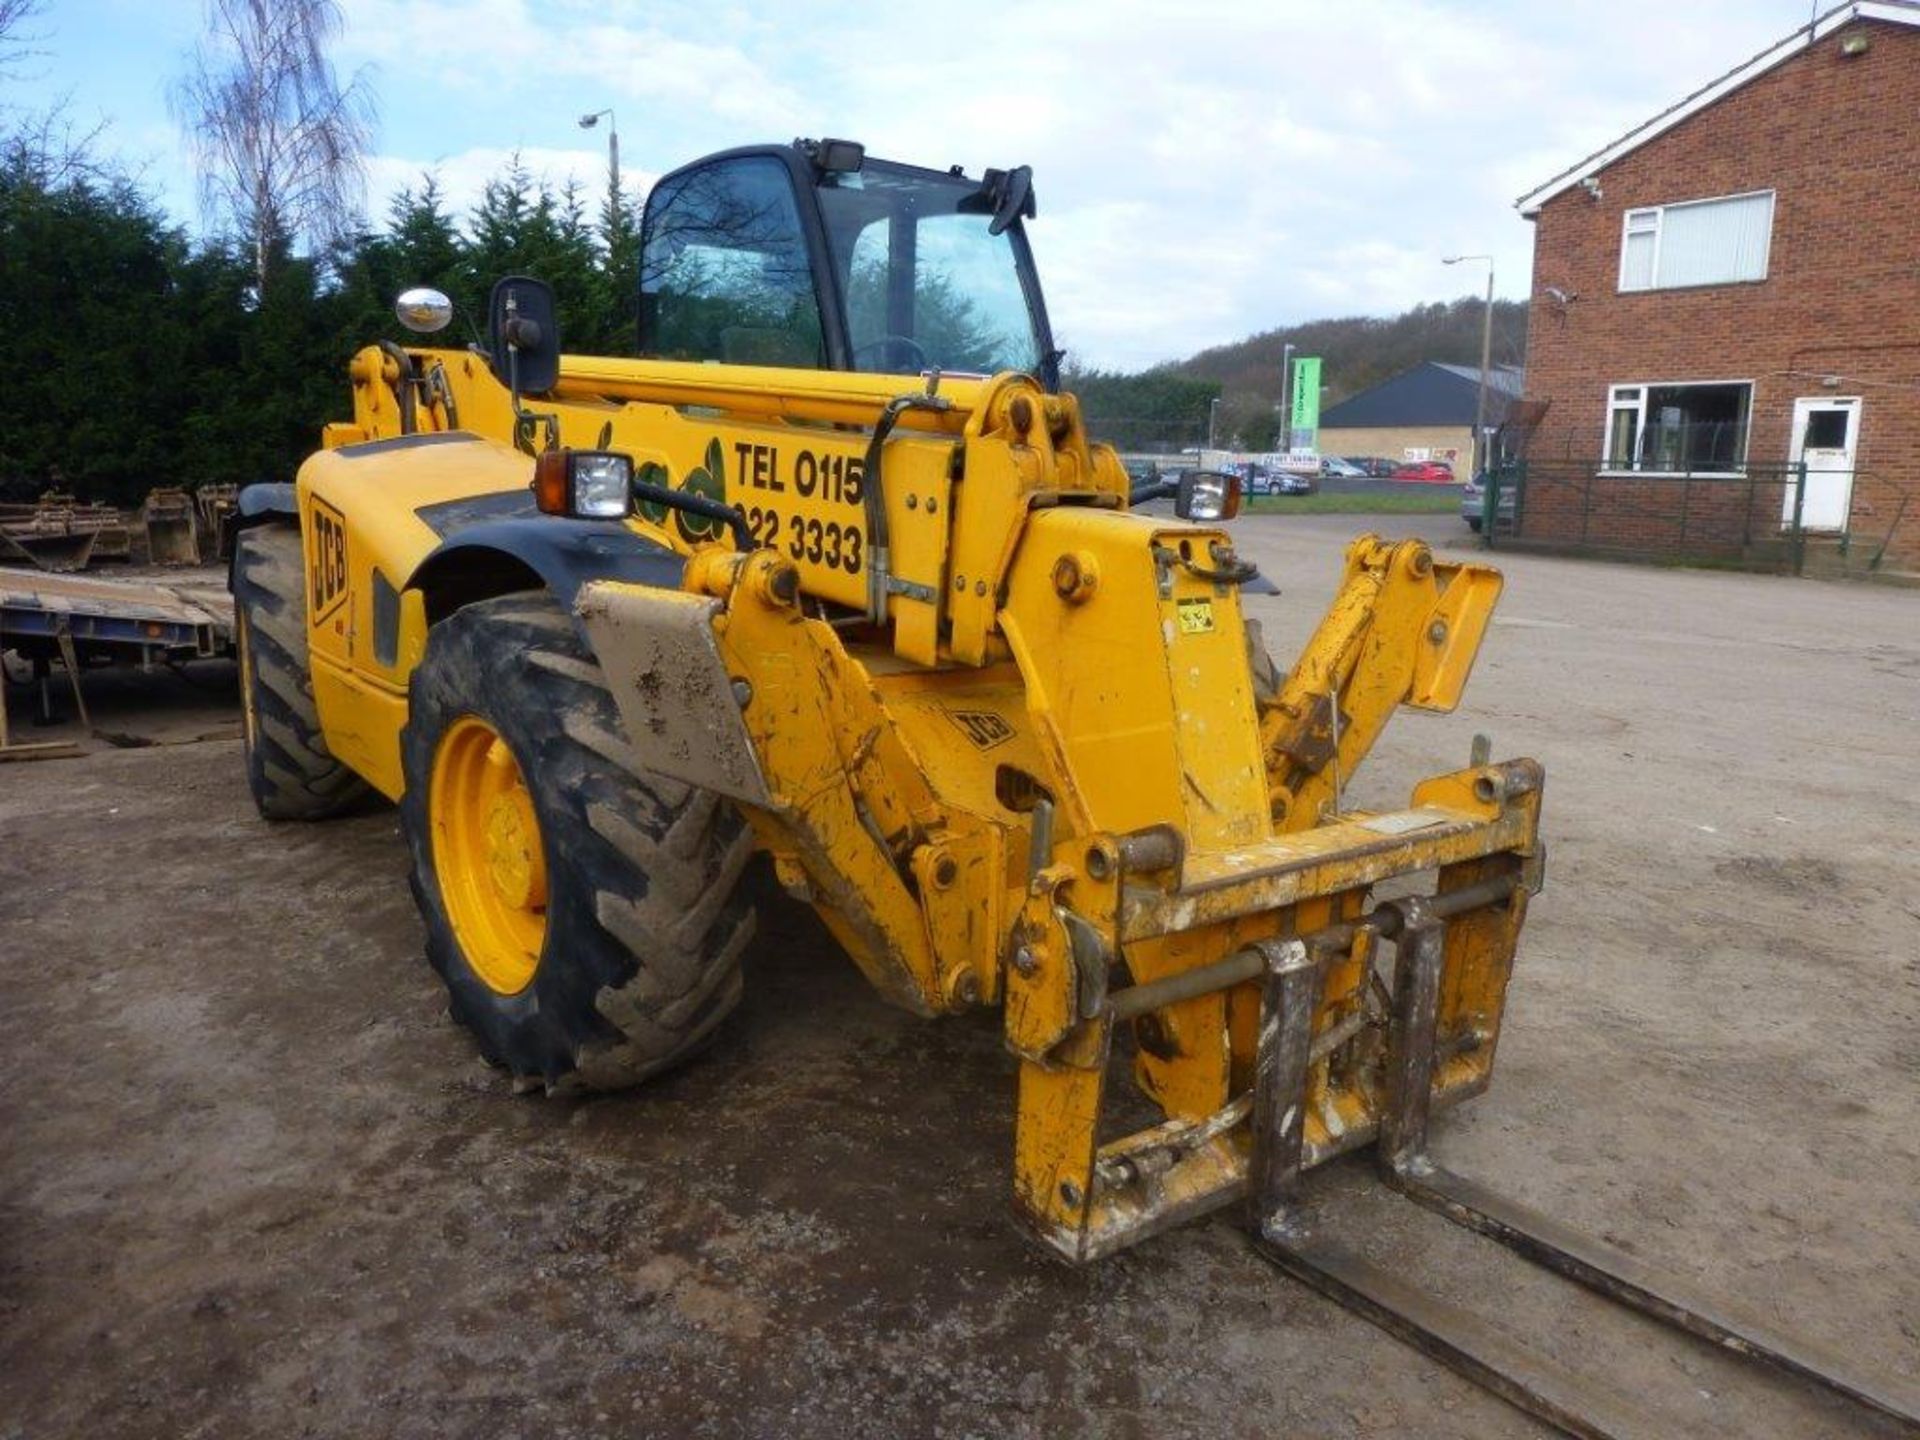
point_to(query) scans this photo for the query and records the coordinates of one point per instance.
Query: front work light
(585, 484)
(1207, 495)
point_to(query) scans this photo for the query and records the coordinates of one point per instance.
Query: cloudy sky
(1204, 170)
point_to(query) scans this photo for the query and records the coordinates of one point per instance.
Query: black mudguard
(518, 551)
(272, 502)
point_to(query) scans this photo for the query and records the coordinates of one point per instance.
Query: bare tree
(43, 145)
(278, 141)
(15, 46)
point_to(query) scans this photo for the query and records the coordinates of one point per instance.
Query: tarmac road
(254, 1183)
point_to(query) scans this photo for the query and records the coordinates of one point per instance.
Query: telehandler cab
(831, 570)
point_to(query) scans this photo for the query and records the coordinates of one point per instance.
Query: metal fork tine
(1618, 1276)
(1632, 1281)
(1460, 1340)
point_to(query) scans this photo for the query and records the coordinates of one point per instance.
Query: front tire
(586, 915)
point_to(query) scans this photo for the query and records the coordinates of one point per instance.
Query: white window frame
(1659, 213)
(1608, 464)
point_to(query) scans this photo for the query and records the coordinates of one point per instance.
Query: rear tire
(644, 919)
(292, 774)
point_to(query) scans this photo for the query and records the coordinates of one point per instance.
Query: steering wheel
(886, 347)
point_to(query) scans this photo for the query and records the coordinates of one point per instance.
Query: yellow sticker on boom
(1196, 616)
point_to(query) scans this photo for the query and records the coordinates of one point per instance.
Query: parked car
(1473, 503)
(1424, 472)
(1332, 467)
(1376, 467)
(1262, 481)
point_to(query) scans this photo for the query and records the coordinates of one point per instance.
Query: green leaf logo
(709, 480)
(652, 472)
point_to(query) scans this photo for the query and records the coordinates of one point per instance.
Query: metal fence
(1755, 518)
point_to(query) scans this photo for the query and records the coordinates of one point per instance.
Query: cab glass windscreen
(927, 285)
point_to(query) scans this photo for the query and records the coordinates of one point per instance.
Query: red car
(1424, 472)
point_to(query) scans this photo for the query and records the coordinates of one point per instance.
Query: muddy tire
(635, 958)
(292, 774)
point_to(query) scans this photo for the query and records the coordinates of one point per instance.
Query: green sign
(1305, 419)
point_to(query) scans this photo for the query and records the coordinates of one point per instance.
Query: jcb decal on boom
(984, 728)
(326, 561)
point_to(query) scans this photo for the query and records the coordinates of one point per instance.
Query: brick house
(1732, 289)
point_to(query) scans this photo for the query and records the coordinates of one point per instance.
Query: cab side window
(724, 271)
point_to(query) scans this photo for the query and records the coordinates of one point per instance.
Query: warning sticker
(1196, 616)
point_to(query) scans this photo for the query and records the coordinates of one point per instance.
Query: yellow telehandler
(830, 570)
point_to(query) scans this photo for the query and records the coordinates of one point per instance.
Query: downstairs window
(1678, 428)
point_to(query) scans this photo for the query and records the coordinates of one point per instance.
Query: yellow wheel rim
(487, 855)
(243, 642)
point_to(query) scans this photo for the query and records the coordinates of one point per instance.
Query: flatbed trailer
(84, 620)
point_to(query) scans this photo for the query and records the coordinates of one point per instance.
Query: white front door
(1826, 432)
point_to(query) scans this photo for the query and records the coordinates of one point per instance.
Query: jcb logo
(326, 561)
(984, 728)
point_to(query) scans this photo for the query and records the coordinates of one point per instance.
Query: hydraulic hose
(873, 493)
(403, 387)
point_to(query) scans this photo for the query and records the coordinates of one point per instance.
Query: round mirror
(422, 310)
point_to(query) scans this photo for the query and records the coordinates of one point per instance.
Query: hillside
(1166, 408)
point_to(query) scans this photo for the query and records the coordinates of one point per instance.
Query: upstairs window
(1701, 242)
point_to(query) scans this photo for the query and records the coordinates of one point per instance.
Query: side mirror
(1006, 195)
(423, 311)
(523, 335)
(1207, 495)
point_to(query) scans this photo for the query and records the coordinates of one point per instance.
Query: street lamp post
(1480, 461)
(1213, 417)
(587, 122)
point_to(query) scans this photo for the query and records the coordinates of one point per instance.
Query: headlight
(601, 484)
(1207, 495)
(584, 484)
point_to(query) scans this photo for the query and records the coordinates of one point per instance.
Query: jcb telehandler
(831, 570)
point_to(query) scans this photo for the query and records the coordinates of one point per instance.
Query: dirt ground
(253, 1182)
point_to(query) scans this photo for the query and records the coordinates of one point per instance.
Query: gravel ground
(254, 1183)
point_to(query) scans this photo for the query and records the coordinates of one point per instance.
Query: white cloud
(1204, 171)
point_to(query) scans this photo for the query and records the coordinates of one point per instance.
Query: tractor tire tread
(647, 918)
(290, 771)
